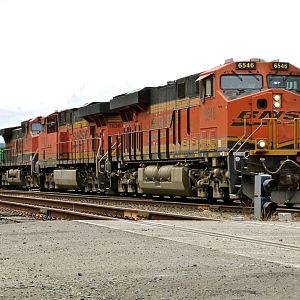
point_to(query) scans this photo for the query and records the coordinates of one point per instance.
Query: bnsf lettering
(248, 114)
(290, 115)
(271, 114)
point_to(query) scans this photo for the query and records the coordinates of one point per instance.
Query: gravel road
(71, 260)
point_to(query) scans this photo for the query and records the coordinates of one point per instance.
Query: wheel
(246, 201)
(210, 197)
(226, 198)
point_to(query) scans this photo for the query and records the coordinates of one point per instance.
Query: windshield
(235, 85)
(286, 82)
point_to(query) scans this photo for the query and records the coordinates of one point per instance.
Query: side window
(207, 87)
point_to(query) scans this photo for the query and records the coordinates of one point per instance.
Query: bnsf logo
(248, 114)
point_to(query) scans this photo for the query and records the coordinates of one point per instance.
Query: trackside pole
(263, 185)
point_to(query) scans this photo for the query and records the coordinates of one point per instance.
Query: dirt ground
(72, 260)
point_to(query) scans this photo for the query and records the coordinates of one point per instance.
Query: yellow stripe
(173, 104)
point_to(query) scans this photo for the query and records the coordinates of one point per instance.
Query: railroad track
(135, 205)
(142, 203)
(53, 208)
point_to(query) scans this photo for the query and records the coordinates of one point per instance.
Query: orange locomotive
(206, 135)
(68, 149)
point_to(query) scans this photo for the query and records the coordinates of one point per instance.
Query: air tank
(151, 173)
(164, 173)
(13, 173)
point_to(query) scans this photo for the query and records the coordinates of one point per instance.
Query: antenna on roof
(256, 59)
(228, 60)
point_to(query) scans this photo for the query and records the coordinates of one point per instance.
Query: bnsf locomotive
(206, 135)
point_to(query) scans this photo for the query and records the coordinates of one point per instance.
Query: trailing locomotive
(206, 135)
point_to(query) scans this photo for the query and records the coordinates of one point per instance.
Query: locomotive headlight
(261, 144)
(277, 101)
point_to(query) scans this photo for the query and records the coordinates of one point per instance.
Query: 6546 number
(246, 65)
(280, 66)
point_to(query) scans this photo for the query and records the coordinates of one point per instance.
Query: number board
(246, 65)
(280, 66)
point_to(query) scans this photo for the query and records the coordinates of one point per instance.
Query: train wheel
(226, 198)
(246, 201)
(210, 197)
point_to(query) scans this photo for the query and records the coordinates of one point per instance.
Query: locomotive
(206, 135)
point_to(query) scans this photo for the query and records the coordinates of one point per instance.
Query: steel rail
(150, 202)
(128, 200)
(50, 212)
(94, 209)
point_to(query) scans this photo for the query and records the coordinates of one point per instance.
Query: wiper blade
(241, 91)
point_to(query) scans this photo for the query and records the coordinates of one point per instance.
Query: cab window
(238, 85)
(36, 127)
(287, 82)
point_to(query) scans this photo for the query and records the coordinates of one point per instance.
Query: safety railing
(80, 150)
(10, 157)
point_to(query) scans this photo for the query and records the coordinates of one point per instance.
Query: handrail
(247, 139)
(245, 131)
(11, 161)
(97, 155)
(105, 154)
(78, 140)
(234, 154)
(32, 162)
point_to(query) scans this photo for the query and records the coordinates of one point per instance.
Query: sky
(60, 54)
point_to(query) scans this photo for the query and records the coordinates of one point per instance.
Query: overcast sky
(58, 54)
